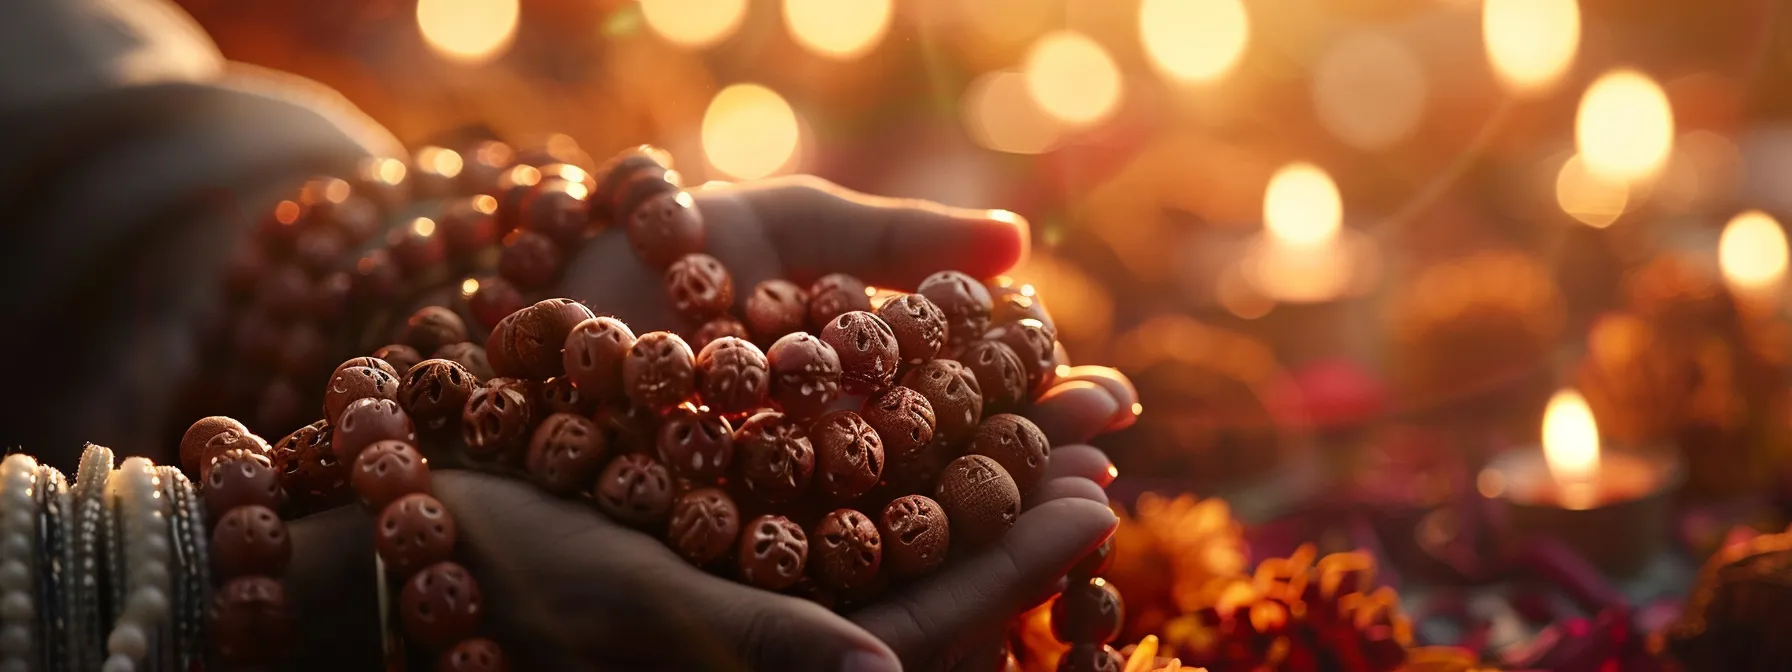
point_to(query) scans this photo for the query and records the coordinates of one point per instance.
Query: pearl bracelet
(18, 545)
(144, 576)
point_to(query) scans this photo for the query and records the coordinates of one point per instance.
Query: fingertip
(1022, 231)
(1066, 488)
(1116, 384)
(1074, 412)
(1078, 460)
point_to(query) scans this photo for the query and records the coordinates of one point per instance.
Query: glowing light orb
(694, 23)
(841, 29)
(1072, 78)
(1530, 43)
(749, 131)
(1625, 128)
(469, 31)
(1194, 40)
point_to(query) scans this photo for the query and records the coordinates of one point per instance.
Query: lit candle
(1305, 254)
(1611, 504)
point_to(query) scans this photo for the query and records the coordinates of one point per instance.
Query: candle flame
(1625, 126)
(1570, 439)
(1752, 251)
(1302, 204)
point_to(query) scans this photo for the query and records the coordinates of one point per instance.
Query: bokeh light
(1625, 128)
(1073, 78)
(842, 29)
(1239, 297)
(1530, 42)
(998, 114)
(1594, 200)
(470, 31)
(1194, 40)
(1302, 204)
(694, 23)
(1369, 91)
(1570, 438)
(1752, 251)
(749, 131)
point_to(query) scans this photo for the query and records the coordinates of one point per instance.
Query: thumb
(769, 631)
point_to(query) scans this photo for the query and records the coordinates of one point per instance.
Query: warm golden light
(485, 204)
(749, 131)
(1072, 78)
(1238, 297)
(1625, 128)
(1194, 40)
(1530, 42)
(469, 286)
(444, 162)
(694, 23)
(1595, 201)
(842, 29)
(389, 171)
(470, 31)
(423, 226)
(1369, 90)
(1752, 251)
(1302, 204)
(287, 212)
(999, 114)
(1570, 439)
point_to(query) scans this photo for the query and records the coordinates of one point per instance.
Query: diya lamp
(1611, 504)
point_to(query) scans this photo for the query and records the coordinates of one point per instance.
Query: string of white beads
(18, 550)
(143, 519)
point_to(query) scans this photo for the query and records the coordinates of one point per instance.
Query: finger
(778, 632)
(1067, 487)
(1073, 412)
(990, 655)
(1117, 384)
(944, 615)
(1079, 460)
(819, 227)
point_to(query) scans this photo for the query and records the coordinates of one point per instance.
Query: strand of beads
(143, 579)
(56, 553)
(18, 540)
(1088, 616)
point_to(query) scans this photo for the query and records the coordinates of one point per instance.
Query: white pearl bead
(118, 663)
(150, 574)
(14, 575)
(15, 639)
(156, 547)
(22, 520)
(147, 605)
(16, 606)
(129, 640)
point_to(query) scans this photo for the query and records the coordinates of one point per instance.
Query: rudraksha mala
(728, 439)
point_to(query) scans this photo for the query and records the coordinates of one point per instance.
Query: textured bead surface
(732, 375)
(919, 326)
(432, 327)
(357, 382)
(593, 355)
(834, 294)
(386, 471)
(242, 478)
(705, 523)
(1033, 345)
(699, 287)
(565, 453)
(659, 372)
(399, 356)
(902, 417)
(1018, 445)
(773, 457)
(635, 490)
(369, 420)
(963, 300)
(557, 210)
(228, 440)
(473, 655)
(368, 361)
(1089, 610)
(665, 227)
(560, 395)
(495, 299)
(953, 393)
(538, 336)
(529, 260)
(1014, 303)
(309, 470)
(434, 393)
(849, 455)
(440, 605)
(696, 446)
(250, 540)
(773, 552)
(471, 356)
(805, 375)
(867, 351)
(915, 535)
(846, 550)
(999, 375)
(496, 419)
(249, 621)
(775, 308)
(412, 532)
(717, 328)
(192, 443)
(629, 428)
(980, 499)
